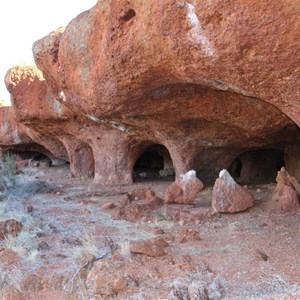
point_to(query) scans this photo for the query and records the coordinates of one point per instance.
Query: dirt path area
(70, 247)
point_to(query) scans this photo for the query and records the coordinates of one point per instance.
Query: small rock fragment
(188, 235)
(152, 247)
(109, 285)
(9, 227)
(108, 205)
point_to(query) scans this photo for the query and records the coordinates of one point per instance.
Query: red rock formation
(46, 119)
(208, 80)
(285, 197)
(228, 196)
(184, 190)
(14, 136)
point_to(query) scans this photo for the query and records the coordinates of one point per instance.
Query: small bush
(8, 169)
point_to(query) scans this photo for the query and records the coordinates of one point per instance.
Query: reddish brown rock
(285, 197)
(9, 227)
(295, 183)
(188, 235)
(11, 294)
(228, 196)
(184, 190)
(292, 160)
(14, 136)
(153, 247)
(108, 205)
(28, 93)
(187, 215)
(8, 258)
(107, 278)
(109, 285)
(139, 204)
(222, 90)
(158, 230)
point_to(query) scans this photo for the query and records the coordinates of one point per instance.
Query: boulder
(285, 197)
(152, 247)
(228, 196)
(184, 190)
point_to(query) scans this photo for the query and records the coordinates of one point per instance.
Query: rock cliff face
(208, 80)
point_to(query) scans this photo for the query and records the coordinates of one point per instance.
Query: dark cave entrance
(34, 159)
(257, 166)
(154, 163)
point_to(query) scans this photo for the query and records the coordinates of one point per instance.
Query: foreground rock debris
(137, 205)
(228, 196)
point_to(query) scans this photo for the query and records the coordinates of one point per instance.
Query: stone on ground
(184, 190)
(228, 196)
(285, 197)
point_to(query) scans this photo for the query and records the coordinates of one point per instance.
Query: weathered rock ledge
(205, 86)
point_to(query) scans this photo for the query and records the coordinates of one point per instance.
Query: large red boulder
(228, 196)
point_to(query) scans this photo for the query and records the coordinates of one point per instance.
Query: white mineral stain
(197, 32)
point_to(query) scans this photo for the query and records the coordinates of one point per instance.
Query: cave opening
(33, 158)
(154, 163)
(257, 166)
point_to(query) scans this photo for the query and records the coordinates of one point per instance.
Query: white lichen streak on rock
(5, 127)
(95, 119)
(114, 124)
(118, 126)
(227, 179)
(16, 137)
(197, 32)
(58, 108)
(188, 176)
(62, 96)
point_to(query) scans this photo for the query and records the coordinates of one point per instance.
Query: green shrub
(8, 168)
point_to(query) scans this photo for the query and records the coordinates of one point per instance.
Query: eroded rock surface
(228, 196)
(124, 76)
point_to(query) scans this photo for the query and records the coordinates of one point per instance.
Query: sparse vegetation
(125, 249)
(8, 170)
(25, 244)
(11, 278)
(88, 246)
